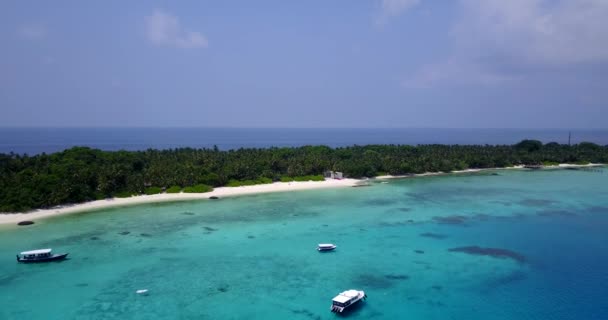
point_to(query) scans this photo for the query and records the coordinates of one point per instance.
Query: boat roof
(39, 251)
(326, 244)
(346, 296)
(341, 298)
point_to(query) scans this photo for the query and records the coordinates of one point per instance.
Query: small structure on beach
(334, 175)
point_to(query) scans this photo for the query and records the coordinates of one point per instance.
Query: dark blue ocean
(49, 140)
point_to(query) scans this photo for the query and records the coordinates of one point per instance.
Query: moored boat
(326, 246)
(346, 299)
(40, 255)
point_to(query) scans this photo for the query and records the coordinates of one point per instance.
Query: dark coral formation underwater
(491, 252)
(454, 219)
(433, 235)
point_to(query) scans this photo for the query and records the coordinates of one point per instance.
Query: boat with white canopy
(346, 299)
(40, 255)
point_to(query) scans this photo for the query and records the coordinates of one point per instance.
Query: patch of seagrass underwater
(379, 202)
(491, 252)
(432, 235)
(307, 313)
(553, 213)
(596, 210)
(376, 281)
(451, 220)
(397, 276)
(402, 223)
(73, 239)
(532, 202)
(8, 279)
(498, 281)
(441, 194)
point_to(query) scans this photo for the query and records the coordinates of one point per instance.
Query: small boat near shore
(346, 299)
(326, 246)
(40, 255)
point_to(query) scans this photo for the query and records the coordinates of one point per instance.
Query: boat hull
(326, 247)
(55, 257)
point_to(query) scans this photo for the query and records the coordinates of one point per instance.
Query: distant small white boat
(141, 291)
(326, 246)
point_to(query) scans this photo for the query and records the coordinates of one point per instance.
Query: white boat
(326, 246)
(40, 255)
(346, 299)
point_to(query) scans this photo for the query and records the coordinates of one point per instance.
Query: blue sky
(391, 63)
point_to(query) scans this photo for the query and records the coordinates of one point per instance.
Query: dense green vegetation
(121, 194)
(239, 183)
(83, 174)
(550, 163)
(303, 178)
(199, 188)
(153, 190)
(174, 189)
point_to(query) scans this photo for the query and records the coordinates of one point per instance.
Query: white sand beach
(426, 174)
(13, 218)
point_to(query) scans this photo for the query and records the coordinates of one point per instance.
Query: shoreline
(221, 192)
(14, 218)
(430, 174)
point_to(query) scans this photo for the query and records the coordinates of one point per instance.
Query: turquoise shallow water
(254, 257)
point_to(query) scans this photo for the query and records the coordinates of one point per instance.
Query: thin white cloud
(32, 31)
(453, 72)
(164, 29)
(536, 31)
(496, 41)
(392, 8)
(397, 7)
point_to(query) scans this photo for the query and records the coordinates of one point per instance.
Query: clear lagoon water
(254, 257)
(49, 140)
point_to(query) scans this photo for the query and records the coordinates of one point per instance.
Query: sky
(305, 64)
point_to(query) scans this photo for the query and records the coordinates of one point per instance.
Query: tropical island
(82, 174)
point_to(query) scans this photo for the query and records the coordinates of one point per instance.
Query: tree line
(82, 174)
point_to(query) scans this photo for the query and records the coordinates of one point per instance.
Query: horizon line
(296, 128)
